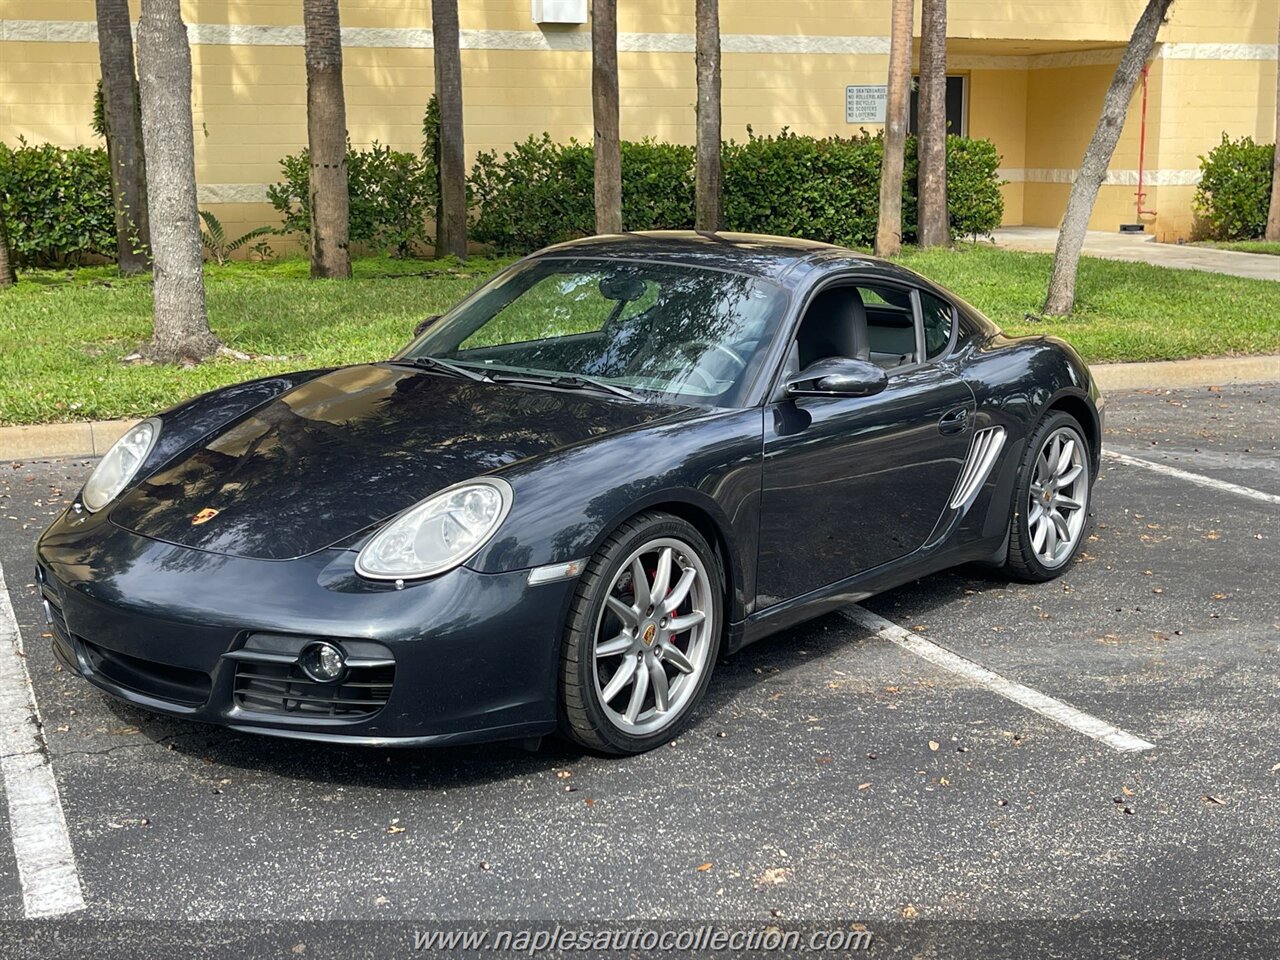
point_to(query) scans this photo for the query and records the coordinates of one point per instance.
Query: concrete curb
(91, 439)
(1177, 373)
(44, 441)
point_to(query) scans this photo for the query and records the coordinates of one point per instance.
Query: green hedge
(392, 195)
(540, 192)
(1235, 189)
(57, 203)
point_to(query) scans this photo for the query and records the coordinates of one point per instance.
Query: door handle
(954, 421)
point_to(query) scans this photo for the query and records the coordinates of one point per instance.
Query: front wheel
(1051, 506)
(642, 638)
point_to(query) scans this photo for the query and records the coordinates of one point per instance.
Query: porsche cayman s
(616, 462)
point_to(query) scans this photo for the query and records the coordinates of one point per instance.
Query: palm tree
(327, 141)
(1273, 213)
(708, 203)
(897, 107)
(451, 214)
(7, 276)
(935, 227)
(1061, 297)
(122, 119)
(604, 109)
(181, 328)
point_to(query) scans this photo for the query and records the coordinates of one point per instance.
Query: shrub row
(1235, 189)
(392, 194)
(57, 203)
(540, 192)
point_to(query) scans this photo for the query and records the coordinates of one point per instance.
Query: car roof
(783, 260)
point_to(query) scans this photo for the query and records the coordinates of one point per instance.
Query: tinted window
(938, 318)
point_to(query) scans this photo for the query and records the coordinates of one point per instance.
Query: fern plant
(220, 249)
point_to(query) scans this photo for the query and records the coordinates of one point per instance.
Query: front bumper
(458, 658)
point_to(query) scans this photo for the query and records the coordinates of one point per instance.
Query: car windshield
(697, 335)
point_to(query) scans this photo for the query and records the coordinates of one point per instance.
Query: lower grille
(178, 685)
(160, 680)
(63, 647)
(268, 679)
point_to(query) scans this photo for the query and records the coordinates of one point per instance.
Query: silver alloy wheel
(653, 636)
(1059, 499)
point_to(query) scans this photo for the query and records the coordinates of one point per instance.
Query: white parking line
(41, 844)
(1047, 706)
(1191, 477)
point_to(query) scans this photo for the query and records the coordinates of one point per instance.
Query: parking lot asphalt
(831, 775)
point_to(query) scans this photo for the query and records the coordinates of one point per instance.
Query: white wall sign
(864, 103)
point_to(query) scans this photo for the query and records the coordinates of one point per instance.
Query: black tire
(582, 717)
(1023, 562)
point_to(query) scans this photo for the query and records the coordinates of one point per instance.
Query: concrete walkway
(1143, 248)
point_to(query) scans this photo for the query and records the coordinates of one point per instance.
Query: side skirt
(857, 588)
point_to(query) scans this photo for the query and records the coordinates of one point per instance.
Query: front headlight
(118, 467)
(439, 533)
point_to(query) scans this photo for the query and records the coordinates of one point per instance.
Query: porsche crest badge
(204, 516)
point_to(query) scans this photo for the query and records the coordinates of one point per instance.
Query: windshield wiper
(571, 381)
(448, 366)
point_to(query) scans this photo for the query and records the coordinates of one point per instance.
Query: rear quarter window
(939, 319)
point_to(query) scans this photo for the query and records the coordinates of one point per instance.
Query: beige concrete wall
(1037, 71)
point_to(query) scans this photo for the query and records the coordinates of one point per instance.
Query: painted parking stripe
(1204, 481)
(41, 844)
(1055, 710)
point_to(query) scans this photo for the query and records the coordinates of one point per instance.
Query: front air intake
(986, 446)
(272, 676)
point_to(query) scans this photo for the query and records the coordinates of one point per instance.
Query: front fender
(566, 504)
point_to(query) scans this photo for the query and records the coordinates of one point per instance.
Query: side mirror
(838, 377)
(424, 324)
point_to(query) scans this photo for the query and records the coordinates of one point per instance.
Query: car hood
(339, 453)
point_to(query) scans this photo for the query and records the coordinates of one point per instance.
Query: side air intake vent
(982, 456)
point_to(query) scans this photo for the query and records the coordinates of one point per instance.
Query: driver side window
(860, 321)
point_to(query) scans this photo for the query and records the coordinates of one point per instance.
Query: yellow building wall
(1024, 93)
(998, 112)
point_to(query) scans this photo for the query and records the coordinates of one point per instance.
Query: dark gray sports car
(619, 460)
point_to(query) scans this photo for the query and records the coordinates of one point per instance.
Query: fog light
(322, 662)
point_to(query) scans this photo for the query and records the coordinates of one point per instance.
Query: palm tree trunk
(604, 109)
(1061, 297)
(935, 226)
(181, 330)
(897, 108)
(708, 203)
(1273, 212)
(451, 214)
(327, 142)
(123, 118)
(7, 275)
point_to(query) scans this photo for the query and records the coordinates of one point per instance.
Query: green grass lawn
(1271, 247)
(63, 333)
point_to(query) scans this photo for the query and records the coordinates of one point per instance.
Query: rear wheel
(1051, 507)
(643, 636)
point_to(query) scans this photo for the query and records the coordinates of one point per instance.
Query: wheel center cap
(649, 635)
